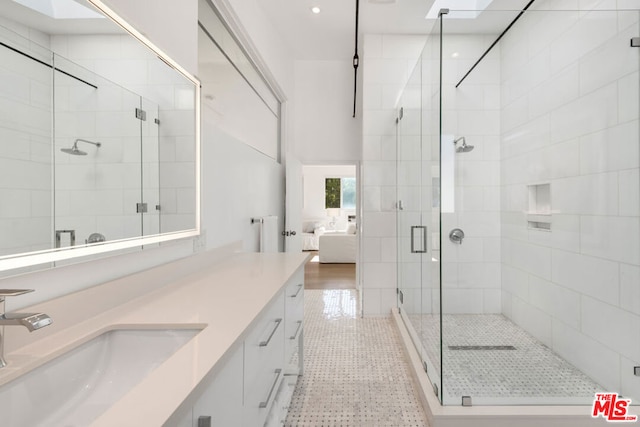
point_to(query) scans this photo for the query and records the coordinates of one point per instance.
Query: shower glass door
(418, 211)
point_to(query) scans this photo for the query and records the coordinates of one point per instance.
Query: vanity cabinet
(253, 386)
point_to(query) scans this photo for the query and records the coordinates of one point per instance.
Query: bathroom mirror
(99, 135)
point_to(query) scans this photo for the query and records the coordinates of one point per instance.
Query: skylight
(61, 9)
(465, 9)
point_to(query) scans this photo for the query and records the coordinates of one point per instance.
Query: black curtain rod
(47, 65)
(496, 41)
(356, 61)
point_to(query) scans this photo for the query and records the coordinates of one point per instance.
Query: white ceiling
(331, 33)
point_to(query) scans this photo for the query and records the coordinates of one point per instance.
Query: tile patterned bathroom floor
(355, 372)
(530, 371)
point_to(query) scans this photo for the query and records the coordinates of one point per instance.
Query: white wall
(570, 119)
(242, 184)
(387, 63)
(325, 130)
(314, 191)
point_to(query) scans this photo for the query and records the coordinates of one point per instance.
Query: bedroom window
(340, 193)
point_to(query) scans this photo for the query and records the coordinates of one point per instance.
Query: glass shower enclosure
(518, 212)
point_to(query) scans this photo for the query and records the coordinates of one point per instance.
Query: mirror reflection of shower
(75, 150)
(463, 148)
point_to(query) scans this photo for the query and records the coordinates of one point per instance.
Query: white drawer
(264, 346)
(261, 396)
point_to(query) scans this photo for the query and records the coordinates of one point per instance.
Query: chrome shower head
(73, 151)
(77, 152)
(464, 148)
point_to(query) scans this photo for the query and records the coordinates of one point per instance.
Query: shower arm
(75, 144)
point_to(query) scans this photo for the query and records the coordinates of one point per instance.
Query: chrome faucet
(31, 321)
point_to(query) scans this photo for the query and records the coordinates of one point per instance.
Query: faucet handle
(13, 292)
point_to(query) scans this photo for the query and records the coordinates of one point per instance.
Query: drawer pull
(266, 343)
(273, 386)
(294, 336)
(300, 286)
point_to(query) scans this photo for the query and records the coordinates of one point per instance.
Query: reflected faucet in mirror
(31, 321)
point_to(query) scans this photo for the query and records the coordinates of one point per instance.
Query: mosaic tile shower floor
(355, 373)
(532, 371)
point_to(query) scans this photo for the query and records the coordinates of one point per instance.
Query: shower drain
(481, 347)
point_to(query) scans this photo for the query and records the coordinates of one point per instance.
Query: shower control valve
(456, 236)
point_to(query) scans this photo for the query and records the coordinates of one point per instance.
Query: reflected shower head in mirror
(75, 150)
(464, 148)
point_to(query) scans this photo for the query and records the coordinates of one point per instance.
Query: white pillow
(351, 229)
(318, 231)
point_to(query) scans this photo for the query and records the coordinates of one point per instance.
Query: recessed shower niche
(98, 137)
(539, 213)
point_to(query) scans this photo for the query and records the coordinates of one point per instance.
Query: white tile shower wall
(25, 142)
(570, 109)
(472, 279)
(387, 63)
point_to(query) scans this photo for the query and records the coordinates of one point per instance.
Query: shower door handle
(421, 232)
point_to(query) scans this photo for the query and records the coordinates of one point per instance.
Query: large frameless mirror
(99, 136)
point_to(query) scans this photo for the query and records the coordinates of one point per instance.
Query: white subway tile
(532, 320)
(515, 282)
(559, 302)
(370, 249)
(388, 249)
(592, 112)
(611, 238)
(609, 60)
(462, 301)
(628, 103)
(611, 326)
(565, 232)
(629, 384)
(588, 355)
(371, 303)
(371, 199)
(586, 195)
(491, 303)
(591, 276)
(630, 288)
(379, 224)
(565, 159)
(611, 149)
(388, 198)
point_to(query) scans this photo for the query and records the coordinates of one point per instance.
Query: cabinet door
(222, 398)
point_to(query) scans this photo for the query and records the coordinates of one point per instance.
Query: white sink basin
(78, 386)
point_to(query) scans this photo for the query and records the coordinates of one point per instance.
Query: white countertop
(225, 298)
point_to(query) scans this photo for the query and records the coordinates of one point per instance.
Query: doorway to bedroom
(330, 225)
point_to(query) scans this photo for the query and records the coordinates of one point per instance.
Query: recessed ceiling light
(315, 9)
(455, 54)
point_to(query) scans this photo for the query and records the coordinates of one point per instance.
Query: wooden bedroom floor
(329, 276)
